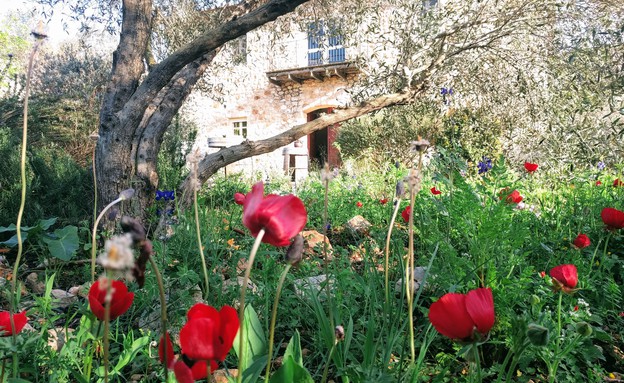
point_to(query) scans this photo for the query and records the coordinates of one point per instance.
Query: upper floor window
(325, 43)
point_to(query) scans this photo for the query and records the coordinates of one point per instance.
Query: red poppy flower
(359, 204)
(598, 183)
(282, 217)
(435, 191)
(208, 334)
(575, 308)
(542, 274)
(120, 301)
(564, 277)
(383, 201)
(239, 198)
(461, 316)
(170, 353)
(513, 197)
(406, 213)
(613, 218)
(19, 320)
(530, 167)
(618, 183)
(581, 241)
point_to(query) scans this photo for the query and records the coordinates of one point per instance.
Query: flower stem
(325, 258)
(241, 308)
(552, 373)
(326, 369)
(273, 318)
(477, 362)
(163, 312)
(18, 224)
(199, 244)
(93, 242)
(386, 265)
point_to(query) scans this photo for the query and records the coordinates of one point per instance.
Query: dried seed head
(294, 253)
(117, 254)
(400, 189)
(94, 136)
(133, 227)
(326, 174)
(414, 181)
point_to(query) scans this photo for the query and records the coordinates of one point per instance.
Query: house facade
(260, 87)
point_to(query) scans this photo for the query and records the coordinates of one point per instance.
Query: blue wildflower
(484, 165)
(601, 165)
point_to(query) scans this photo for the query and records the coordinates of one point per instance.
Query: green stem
(20, 214)
(89, 358)
(326, 369)
(93, 242)
(553, 367)
(241, 308)
(325, 259)
(386, 264)
(273, 318)
(199, 244)
(107, 306)
(163, 313)
(477, 362)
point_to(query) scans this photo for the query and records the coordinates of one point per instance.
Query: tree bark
(128, 130)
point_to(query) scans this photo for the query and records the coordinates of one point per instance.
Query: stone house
(266, 84)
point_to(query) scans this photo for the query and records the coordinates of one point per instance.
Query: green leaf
(12, 242)
(255, 345)
(18, 380)
(291, 372)
(11, 227)
(65, 244)
(129, 355)
(44, 224)
(294, 349)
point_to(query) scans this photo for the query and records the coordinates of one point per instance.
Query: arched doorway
(320, 143)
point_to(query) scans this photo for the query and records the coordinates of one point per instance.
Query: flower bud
(126, 194)
(295, 251)
(538, 335)
(339, 333)
(584, 328)
(534, 300)
(420, 146)
(400, 189)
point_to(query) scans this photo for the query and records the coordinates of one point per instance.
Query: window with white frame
(325, 43)
(240, 128)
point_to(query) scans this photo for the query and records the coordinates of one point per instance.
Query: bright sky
(54, 26)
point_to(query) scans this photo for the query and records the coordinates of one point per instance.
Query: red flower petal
(613, 218)
(406, 213)
(198, 338)
(581, 241)
(383, 201)
(19, 320)
(618, 183)
(282, 217)
(449, 316)
(530, 167)
(480, 307)
(566, 275)
(435, 191)
(121, 299)
(200, 310)
(359, 204)
(228, 330)
(239, 198)
(183, 373)
(170, 353)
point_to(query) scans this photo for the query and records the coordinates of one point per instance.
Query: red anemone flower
(564, 277)
(618, 183)
(462, 316)
(406, 213)
(435, 191)
(530, 167)
(359, 204)
(542, 274)
(120, 302)
(19, 320)
(513, 197)
(581, 241)
(239, 198)
(613, 218)
(208, 334)
(383, 201)
(598, 183)
(282, 217)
